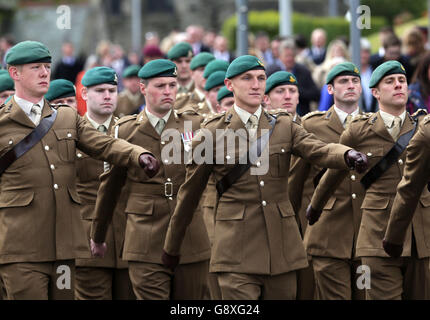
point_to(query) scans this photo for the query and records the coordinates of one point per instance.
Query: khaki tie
(347, 121)
(101, 128)
(395, 128)
(252, 125)
(160, 126)
(35, 113)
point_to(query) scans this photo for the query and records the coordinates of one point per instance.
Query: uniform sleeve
(331, 180)
(104, 147)
(415, 177)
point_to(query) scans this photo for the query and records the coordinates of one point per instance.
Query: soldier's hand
(98, 249)
(393, 250)
(356, 160)
(169, 261)
(312, 215)
(149, 164)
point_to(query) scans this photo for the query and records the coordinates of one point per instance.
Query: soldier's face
(198, 78)
(70, 101)
(392, 91)
(211, 95)
(101, 99)
(5, 94)
(183, 65)
(132, 84)
(226, 104)
(31, 79)
(345, 90)
(160, 94)
(284, 97)
(248, 88)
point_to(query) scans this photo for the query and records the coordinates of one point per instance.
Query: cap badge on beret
(115, 79)
(190, 54)
(292, 79)
(175, 72)
(260, 63)
(356, 70)
(402, 67)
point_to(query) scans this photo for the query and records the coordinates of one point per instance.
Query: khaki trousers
(96, 283)
(153, 281)
(398, 278)
(336, 279)
(306, 282)
(38, 280)
(240, 286)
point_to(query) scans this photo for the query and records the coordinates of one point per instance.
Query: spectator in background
(119, 63)
(368, 103)
(392, 47)
(262, 46)
(6, 42)
(308, 90)
(414, 46)
(69, 66)
(151, 52)
(301, 57)
(317, 51)
(220, 49)
(195, 38)
(152, 39)
(419, 89)
(209, 39)
(275, 46)
(133, 58)
(384, 33)
(103, 53)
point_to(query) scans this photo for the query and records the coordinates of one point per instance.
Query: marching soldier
(151, 201)
(383, 136)
(61, 91)
(39, 205)
(332, 253)
(106, 278)
(181, 54)
(7, 87)
(130, 99)
(197, 66)
(257, 247)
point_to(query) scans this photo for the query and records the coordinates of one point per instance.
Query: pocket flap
(74, 195)
(137, 204)
(375, 203)
(88, 212)
(69, 134)
(279, 148)
(377, 152)
(286, 209)
(19, 198)
(230, 211)
(330, 203)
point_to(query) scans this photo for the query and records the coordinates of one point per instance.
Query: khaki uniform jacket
(368, 134)
(39, 205)
(192, 100)
(335, 234)
(255, 228)
(148, 209)
(87, 184)
(412, 193)
(126, 106)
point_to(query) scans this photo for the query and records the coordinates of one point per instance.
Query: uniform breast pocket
(279, 160)
(374, 155)
(66, 144)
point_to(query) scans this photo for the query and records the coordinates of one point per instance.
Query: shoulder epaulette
(212, 117)
(419, 112)
(126, 119)
(185, 110)
(278, 112)
(362, 116)
(312, 114)
(426, 119)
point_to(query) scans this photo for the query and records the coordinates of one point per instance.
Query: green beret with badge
(215, 65)
(215, 79)
(60, 88)
(243, 64)
(280, 78)
(179, 50)
(131, 71)
(342, 69)
(6, 82)
(28, 52)
(99, 75)
(158, 68)
(386, 69)
(224, 93)
(201, 60)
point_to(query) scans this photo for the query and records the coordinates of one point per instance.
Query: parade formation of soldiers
(200, 181)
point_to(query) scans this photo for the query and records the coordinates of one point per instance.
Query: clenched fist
(149, 164)
(356, 160)
(169, 261)
(312, 215)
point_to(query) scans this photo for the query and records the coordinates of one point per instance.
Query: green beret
(242, 64)
(342, 69)
(158, 68)
(385, 69)
(280, 78)
(131, 71)
(224, 93)
(99, 75)
(60, 88)
(6, 82)
(215, 65)
(214, 80)
(201, 60)
(28, 52)
(179, 50)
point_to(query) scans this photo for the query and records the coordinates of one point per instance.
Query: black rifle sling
(239, 169)
(28, 142)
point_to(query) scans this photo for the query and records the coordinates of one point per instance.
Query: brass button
(258, 164)
(264, 203)
(79, 155)
(163, 142)
(369, 154)
(10, 141)
(262, 183)
(282, 150)
(52, 166)
(56, 186)
(69, 135)
(400, 161)
(354, 196)
(47, 148)
(353, 177)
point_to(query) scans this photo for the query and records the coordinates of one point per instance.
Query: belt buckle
(168, 189)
